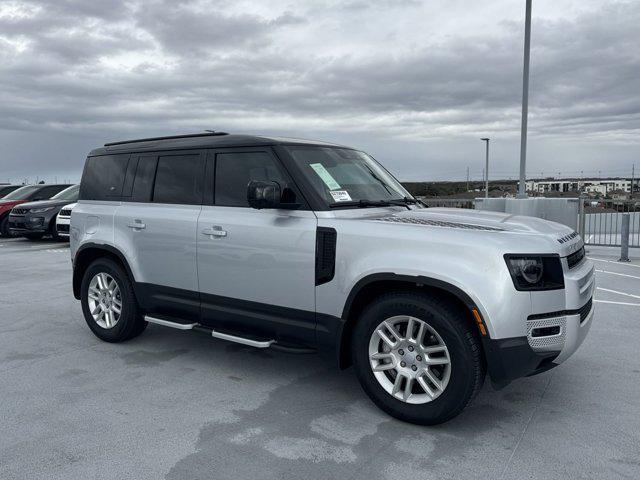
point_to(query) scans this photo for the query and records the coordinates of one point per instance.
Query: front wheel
(417, 357)
(4, 227)
(108, 302)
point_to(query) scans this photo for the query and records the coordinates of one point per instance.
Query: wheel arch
(89, 252)
(370, 286)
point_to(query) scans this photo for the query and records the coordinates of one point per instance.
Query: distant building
(587, 185)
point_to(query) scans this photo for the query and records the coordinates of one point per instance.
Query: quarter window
(234, 171)
(103, 177)
(179, 179)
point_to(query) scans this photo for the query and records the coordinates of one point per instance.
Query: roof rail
(207, 133)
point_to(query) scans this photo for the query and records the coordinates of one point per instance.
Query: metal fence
(448, 202)
(599, 222)
(602, 222)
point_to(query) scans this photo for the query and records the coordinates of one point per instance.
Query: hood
(555, 235)
(9, 204)
(45, 203)
(479, 220)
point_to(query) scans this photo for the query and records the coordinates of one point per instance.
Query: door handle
(215, 231)
(137, 225)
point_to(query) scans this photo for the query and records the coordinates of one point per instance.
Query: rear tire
(98, 305)
(434, 381)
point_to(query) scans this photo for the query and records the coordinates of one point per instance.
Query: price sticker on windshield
(325, 176)
(340, 196)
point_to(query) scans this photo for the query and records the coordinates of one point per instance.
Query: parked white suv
(300, 245)
(63, 221)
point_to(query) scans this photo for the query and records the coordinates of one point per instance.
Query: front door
(256, 267)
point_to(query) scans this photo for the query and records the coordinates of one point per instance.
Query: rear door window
(143, 183)
(103, 177)
(179, 179)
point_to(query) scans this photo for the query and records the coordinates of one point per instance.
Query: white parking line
(611, 261)
(619, 293)
(616, 273)
(618, 303)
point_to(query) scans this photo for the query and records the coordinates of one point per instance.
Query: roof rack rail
(206, 133)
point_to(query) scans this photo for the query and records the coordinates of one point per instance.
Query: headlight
(41, 210)
(535, 272)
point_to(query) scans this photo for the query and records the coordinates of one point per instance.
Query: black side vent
(325, 254)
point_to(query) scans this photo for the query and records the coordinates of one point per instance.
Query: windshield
(341, 175)
(70, 194)
(22, 193)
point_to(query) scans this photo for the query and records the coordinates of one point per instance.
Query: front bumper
(62, 226)
(512, 358)
(27, 224)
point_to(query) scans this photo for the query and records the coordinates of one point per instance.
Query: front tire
(417, 357)
(109, 304)
(4, 227)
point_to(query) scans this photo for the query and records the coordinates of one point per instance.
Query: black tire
(54, 230)
(4, 227)
(467, 363)
(33, 236)
(131, 322)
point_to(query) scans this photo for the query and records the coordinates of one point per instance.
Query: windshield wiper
(405, 202)
(363, 204)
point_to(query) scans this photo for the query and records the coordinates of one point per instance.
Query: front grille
(575, 258)
(585, 310)
(65, 213)
(62, 228)
(437, 223)
(19, 211)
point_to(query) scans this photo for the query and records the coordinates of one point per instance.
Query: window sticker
(325, 176)
(340, 196)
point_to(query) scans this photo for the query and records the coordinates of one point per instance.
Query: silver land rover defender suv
(303, 245)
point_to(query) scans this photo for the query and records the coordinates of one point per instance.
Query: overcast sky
(415, 83)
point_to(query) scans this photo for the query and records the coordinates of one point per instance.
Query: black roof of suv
(201, 140)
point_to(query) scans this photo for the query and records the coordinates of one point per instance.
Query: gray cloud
(412, 82)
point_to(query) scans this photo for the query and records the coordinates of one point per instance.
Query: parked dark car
(7, 189)
(27, 193)
(34, 220)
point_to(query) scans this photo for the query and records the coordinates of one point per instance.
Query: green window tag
(325, 176)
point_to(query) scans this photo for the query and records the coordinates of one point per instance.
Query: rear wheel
(109, 304)
(417, 357)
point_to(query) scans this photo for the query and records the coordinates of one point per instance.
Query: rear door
(256, 268)
(158, 223)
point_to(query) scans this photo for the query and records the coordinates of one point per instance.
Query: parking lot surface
(180, 405)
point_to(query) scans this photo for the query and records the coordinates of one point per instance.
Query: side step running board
(168, 323)
(244, 341)
(223, 336)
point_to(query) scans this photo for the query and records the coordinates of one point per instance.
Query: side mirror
(267, 194)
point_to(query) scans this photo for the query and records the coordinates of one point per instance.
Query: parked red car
(28, 193)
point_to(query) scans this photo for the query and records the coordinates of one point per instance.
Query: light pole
(486, 170)
(522, 193)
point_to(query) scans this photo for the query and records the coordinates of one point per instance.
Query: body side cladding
(88, 252)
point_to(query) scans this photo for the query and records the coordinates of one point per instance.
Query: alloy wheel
(409, 359)
(105, 300)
